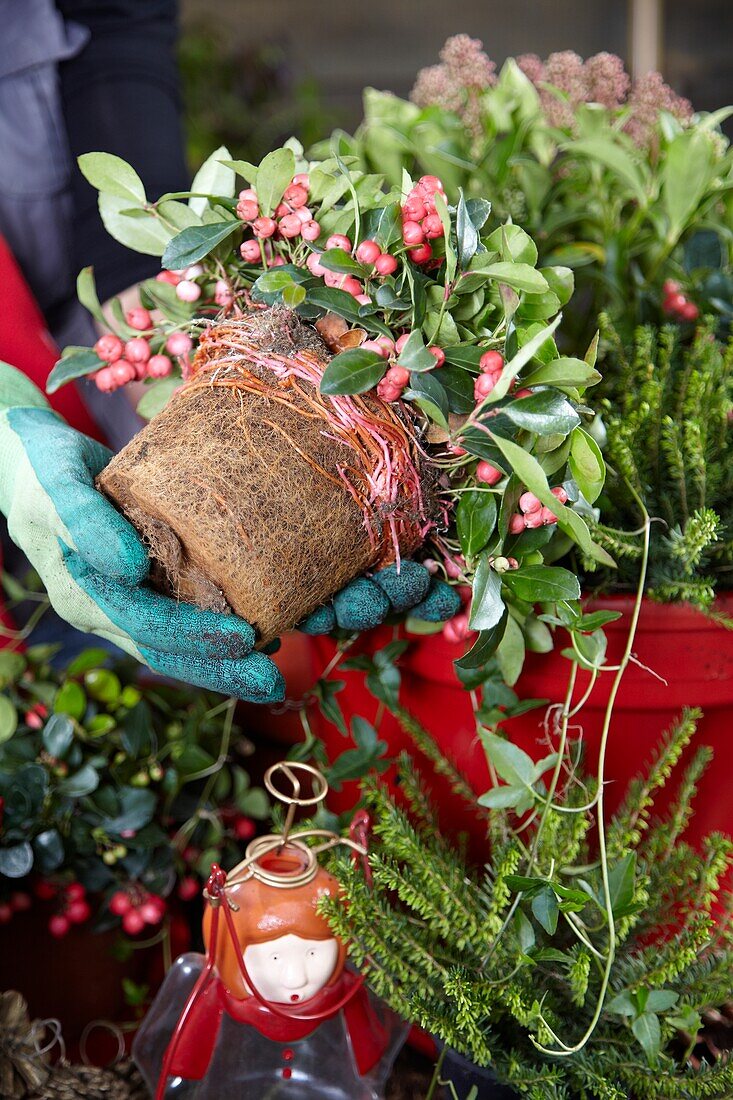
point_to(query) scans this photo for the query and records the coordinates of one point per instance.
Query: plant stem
(436, 1076)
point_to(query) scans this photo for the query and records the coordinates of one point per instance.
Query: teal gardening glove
(93, 564)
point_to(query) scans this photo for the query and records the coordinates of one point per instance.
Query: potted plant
(567, 963)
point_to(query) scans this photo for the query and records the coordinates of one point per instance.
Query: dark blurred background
(256, 71)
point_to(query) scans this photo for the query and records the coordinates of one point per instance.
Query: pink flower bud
(533, 519)
(387, 345)
(223, 295)
(363, 299)
(430, 184)
(171, 277)
(304, 214)
(456, 630)
(248, 195)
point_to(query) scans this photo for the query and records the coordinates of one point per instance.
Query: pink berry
(75, 891)
(433, 227)
(483, 385)
(120, 903)
(6, 913)
(46, 890)
(108, 347)
(122, 372)
(20, 901)
(188, 888)
(250, 252)
(676, 303)
(491, 362)
(244, 827)
(454, 567)
(412, 233)
(386, 264)
(401, 341)
(487, 473)
(548, 516)
(276, 261)
(159, 366)
(352, 286)
(338, 240)
(430, 184)
(248, 195)
(438, 355)
(304, 214)
(431, 565)
(387, 345)
(528, 502)
(310, 231)
(388, 392)
(295, 195)
(139, 319)
(398, 376)
(372, 345)
(106, 383)
(282, 210)
(58, 925)
(178, 343)
(170, 277)
(670, 287)
(333, 279)
(151, 913)
(188, 291)
(368, 251)
(133, 922)
(363, 299)
(137, 350)
(414, 208)
(247, 210)
(560, 494)
(303, 179)
(516, 524)
(533, 519)
(689, 312)
(456, 630)
(79, 911)
(456, 449)
(290, 226)
(263, 227)
(523, 393)
(314, 265)
(223, 295)
(420, 255)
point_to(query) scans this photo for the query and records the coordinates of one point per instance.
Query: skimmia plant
(425, 306)
(573, 976)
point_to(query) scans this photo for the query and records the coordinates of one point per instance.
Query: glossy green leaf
(273, 176)
(686, 176)
(546, 910)
(475, 520)
(352, 371)
(214, 177)
(510, 652)
(542, 583)
(484, 647)
(48, 848)
(138, 229)
(82, 782)
(487, 605)
(58, 735)
(512, 764)
(414, 355)
(336, 259)
(562, 372)
(586, 464)
(520, 277)
(513, 243)
(603, 150)
(113, 175)
(191, 245)
(8, 719)
(12, 666)
(16, 860)
(547, 412)
(466, 233)
(70, 699)
(648, 1031)
(156, 396)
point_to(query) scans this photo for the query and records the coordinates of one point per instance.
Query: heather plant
(618, 180)
(666, 412)
(574, 972)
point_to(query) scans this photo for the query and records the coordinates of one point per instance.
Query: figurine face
(291, 969)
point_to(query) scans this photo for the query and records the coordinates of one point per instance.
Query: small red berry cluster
(675, 303)
(134, 359)
(533, 513)
(35, 716)
(72, 906)
(137, 907)
(421, 222)
(392, 385)
(292, 219)
(368, 253)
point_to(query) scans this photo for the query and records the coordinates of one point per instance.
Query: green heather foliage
(666, 412)
(494, 960)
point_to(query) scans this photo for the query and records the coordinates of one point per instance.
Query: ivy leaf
(112, 175)
(192, 244)
(502, 798)
(487, 606)
(475, 520)
(545, 909)
(325, 692)
(647, 1030)
(538, 583)
(352, 371)
(273, 176)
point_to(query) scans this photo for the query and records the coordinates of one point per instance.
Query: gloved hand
(93, 563)
(366, 602)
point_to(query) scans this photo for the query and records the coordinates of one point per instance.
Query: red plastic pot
(691, 661)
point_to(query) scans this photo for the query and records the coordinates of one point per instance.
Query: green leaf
(352, 371)
(464, 355)
(458, 386)
(88, 658)
(214, 177)
(142, 230)
(487, 606)
(80, 783)
(484, 647)
(545, 909)
(293, 295)
(647, 1030)
(513, 243)
(586, 464)
(604, 151)
(325, 692)
(510, 652)
(524, 931)
(49, 851)
(341, 303)
(414, 355)
(70, 699)
(520, 277)
(466, 234)
(526, 352)
(17, 860)
(12, 666)
(156, 396)
(686, 176)
(502, 798)
(529, 471)
(191, 245)
(244, 169)
(113, 175)
(547, 412)
(513, 764)
(137, 807)
(273, 176)
(8, 719)
(426, 390)
(475, 520)
(58, 735)
(621, 878)
(622, 1005)
(540, 583)
(659, 1000)
(337, 259)
(255, 803)
(562, 372)
(86, 292)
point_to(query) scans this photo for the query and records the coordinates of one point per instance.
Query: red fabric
(26, 343)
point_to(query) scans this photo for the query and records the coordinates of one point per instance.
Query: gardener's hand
(93, 563)
(367, 602)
